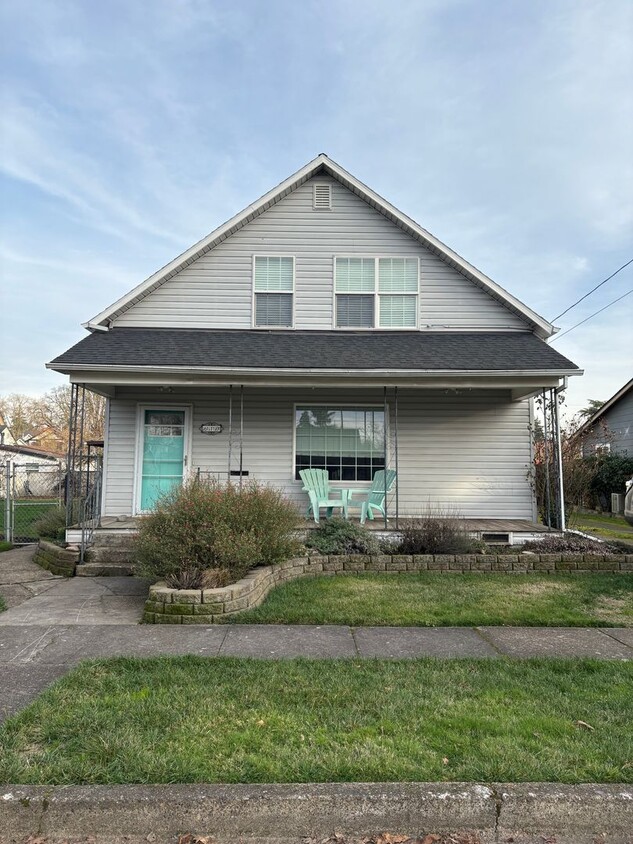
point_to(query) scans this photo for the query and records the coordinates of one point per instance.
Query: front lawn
(5, 546)
(3, 605)
(194, 719)
(430, 599)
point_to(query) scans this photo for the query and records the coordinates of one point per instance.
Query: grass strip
(194, 719)
(431, 599)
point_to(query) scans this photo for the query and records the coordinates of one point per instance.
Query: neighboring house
(320, 327)
(34, 472)
(610, 429)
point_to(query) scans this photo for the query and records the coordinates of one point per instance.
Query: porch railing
(90, 514)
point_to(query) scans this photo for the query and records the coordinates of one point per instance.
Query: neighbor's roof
(323, 164)
(213, 350)
(602, 410)
(30, 452)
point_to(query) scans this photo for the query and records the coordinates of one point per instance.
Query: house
(32, 472)
(610, 429)
(321, 327)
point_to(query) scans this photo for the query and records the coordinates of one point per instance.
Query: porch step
(110, 555)
(103, 570)
(113, 538)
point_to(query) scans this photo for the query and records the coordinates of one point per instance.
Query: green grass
(603, 525)
(3, 605)
(430, 599)
(5, 546)
(194, 719)
(27, 511)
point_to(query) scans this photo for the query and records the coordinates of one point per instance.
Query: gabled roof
(321, 164)
(602, 410)
(216, 350)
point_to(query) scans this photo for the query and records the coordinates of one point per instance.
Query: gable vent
(322, 197)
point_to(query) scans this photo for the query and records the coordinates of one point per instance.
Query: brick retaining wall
(55, 559)
(212, 606)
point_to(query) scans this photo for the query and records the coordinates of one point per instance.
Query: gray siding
(468, 452)
(615, 427)
(215, 291)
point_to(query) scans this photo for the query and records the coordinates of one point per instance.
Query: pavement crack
(607, 633)
(497, 796)
(352, 630)
(489, 641)
(33, 647)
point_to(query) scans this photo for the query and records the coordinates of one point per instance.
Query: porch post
(241, 430)
(548, 503)
(230, 430)
(70, 458)
(561, 490)
(395, 408)
(384, 444)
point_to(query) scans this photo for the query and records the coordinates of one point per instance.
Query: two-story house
(321, 327)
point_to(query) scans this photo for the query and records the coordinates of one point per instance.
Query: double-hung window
(273, 291)
(376, 292)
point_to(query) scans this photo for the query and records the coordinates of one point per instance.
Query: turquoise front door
(163, 454)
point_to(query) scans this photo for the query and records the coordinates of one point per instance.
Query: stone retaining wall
(212, 606)
(55, 559)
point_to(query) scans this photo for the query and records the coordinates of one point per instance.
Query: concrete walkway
(20, 578)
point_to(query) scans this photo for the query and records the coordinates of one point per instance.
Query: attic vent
(322, 197)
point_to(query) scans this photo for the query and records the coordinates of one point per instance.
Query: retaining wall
(55, 559)
(212, 606)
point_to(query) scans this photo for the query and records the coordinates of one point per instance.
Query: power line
(619, 299)
(624, 266)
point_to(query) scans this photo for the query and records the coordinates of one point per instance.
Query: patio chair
(375, 500)
(316, 483)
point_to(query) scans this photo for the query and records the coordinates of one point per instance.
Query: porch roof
(212, 350)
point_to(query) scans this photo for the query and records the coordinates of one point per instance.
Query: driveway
(20, 578)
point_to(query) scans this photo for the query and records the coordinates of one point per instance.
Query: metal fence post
(8, 513)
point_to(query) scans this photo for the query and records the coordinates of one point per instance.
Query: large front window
(347, 441)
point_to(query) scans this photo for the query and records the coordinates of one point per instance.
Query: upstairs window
(273, 290)
(376, 292)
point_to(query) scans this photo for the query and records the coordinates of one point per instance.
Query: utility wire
(592, 290)
(558, 336)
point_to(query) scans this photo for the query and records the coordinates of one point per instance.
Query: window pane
(273, 309)
(354, 311)
(398, 275)
(347, 441)
(273, 273)
(398, 311)
(355, 275)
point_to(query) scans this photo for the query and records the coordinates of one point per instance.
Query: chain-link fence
(28, 491)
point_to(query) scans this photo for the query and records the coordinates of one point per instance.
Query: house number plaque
(211, 428)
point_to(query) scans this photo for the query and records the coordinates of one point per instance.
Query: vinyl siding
(618, 421)
(215, 291)
(467, 452)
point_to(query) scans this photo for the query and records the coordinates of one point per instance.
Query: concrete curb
(289, 813)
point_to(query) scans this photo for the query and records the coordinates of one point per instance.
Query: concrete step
(113, 539)
(103, 570)
(109, 555)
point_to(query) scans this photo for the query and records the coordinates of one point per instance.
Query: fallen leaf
(151, 836)
(585, 726)
(445, 760)
(261, 722)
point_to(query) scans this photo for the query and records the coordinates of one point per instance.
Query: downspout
(548, 504)
(558, 390)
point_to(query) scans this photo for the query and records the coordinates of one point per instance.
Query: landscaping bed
(191, 719)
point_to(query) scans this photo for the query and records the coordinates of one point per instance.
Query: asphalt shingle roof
(269, 350)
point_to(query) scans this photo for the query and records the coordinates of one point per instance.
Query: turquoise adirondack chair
(375, 496)
(316, 483)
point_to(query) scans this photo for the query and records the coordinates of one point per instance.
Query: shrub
(435, 533)
(51, 525)
(611, 473)
(202, 526)
(570, 542)
(338, 536)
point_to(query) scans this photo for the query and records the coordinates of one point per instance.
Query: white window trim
(138, 459)
(376, 326)
(342, 406)
(291, 292)
(603, 448)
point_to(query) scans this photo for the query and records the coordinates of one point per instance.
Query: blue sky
(130, 129)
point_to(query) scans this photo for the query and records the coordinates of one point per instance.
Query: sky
(132, 128)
